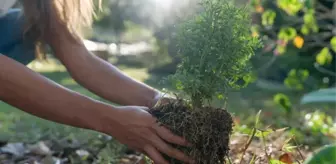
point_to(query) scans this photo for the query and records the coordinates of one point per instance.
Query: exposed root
(208, 129)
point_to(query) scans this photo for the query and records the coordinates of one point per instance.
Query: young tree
(214, 46)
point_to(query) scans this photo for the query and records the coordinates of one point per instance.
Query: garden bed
(62, 152)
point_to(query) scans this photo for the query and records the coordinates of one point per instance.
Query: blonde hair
(40, 15)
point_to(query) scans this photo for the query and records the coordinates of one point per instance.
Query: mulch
(275, 147)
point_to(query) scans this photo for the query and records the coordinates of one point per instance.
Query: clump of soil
(208, 129)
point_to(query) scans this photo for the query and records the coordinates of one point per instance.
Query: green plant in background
(325, 155)
(291, 7)
(299, 32)
(291, 12)
(320, 122)
(296, 79)
(215, 48)
(268, 18)
(284, 102)
(324, 57)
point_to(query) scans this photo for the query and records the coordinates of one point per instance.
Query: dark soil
(208, 129)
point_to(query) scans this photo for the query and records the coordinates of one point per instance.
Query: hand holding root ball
(145, 134)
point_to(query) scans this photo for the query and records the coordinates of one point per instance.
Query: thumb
(144, 108)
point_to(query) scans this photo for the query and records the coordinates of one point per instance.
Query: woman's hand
(136, 128)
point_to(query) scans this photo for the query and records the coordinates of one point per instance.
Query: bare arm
(34, 94)
(101, 77)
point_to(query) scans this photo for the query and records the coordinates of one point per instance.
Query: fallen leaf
(16, 149)
(236, 120)
(51, 160)
(40, 149)
(83, 154)
(286, 158)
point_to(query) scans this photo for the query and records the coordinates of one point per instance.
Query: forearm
(102, 78)
(32, 93)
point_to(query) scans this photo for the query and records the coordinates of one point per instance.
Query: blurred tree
(151, 14)
(148, 14)
(113, 18)
(300, 41)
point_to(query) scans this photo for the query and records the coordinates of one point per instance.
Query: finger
(170, 151)
(154, 155)
(167, 135)
(144, 108)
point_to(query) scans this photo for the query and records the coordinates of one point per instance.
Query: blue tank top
(12, 43)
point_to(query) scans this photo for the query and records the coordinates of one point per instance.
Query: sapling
(214, 46)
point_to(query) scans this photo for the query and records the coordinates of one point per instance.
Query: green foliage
(284, 102)
(319, 122)
(291, 7)
(287, 34)
(112, 153)
(324, 57)
(325, 155)
(333, 43)
(296, 79)
(298, 38)
(215, 47)
(147, 160)
(310, 24)
(274, 161)
(268, 18)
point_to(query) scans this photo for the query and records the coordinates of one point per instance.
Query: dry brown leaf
(286, 158)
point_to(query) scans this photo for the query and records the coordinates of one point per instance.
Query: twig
(323, 70)
(228, 157)
(298, 149)
(297, 161)
(252, 161)
(322, 7)
(268, 64)
(320, 36)
(249, 141)
(265, 146)
(313, 44)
